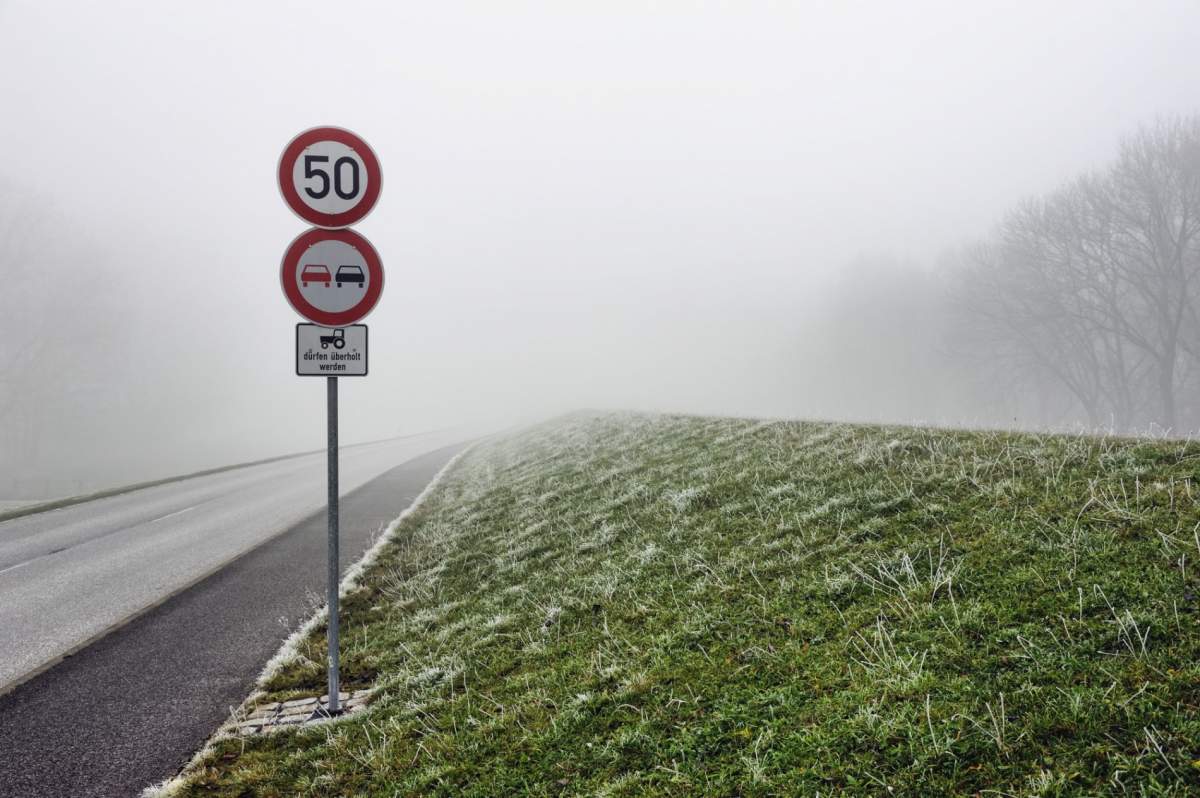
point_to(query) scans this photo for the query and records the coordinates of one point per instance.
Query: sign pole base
(332, 401)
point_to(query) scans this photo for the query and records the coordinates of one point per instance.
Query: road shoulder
(130, 709)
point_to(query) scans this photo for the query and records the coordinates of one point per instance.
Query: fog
(703, 208)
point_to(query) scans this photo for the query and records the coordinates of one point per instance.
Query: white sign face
(332, 276)
(331, 351)
(330, 177)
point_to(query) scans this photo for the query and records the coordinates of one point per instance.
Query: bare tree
(1154, 200)
(1096, 284)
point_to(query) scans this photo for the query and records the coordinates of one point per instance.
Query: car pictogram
(350, 274)
(315, 273)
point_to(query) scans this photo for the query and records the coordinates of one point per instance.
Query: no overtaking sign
(332, 277)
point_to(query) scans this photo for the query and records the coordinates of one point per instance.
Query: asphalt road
(69, 575)
(129, 709)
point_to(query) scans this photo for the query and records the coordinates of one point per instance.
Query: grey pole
(332, 398)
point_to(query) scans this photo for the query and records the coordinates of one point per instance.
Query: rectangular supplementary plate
(331, 351)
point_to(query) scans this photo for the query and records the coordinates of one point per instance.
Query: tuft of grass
(626, 605)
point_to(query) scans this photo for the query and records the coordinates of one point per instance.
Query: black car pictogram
(350, 274)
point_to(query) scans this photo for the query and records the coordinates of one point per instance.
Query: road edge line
(288, 650)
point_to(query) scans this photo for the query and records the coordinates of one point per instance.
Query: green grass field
(642, 605)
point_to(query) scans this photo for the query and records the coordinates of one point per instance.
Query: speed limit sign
(329, 177)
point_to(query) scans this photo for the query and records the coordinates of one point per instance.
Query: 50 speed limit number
(329, 177)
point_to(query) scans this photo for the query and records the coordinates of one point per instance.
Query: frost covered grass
(643, 605)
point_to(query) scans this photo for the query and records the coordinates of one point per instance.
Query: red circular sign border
(329, 221)
(287, 277)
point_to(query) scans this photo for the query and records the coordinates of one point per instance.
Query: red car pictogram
(315, 273)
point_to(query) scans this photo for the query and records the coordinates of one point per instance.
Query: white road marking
(172, 515)
(90, 540)
(18, 565)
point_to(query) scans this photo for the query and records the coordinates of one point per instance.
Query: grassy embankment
(630, 605)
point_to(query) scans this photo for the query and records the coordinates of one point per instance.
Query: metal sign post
(331, 397)
(332, 277)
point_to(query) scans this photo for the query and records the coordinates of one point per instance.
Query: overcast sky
(585, 204)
